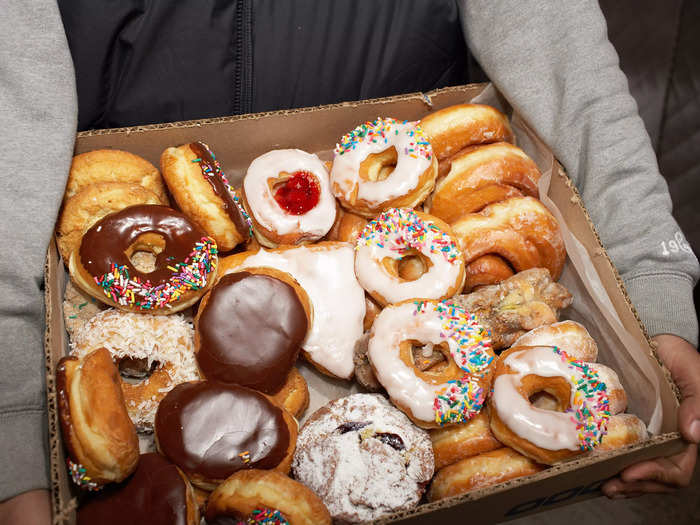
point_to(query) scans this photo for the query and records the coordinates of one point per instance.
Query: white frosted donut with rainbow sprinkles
(452, 392)
(399, 233)
(382, 164)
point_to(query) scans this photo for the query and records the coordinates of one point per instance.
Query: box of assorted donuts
(379, 311)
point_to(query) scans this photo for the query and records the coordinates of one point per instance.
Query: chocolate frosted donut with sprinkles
(185, 266)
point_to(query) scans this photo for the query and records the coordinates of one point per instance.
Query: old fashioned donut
(155, 352)
(482, 470)
(102, 444)
(454, 443)
(586, 395)
(211, 430)
(266, 496)
(363, 458)
(249, 329)
(325, 271)
(289, 197)
(186, 260)
(158, 493)
(203, 193)
(452, 392)
(399, 234)
(481, 176)
(454, 128)
(383, 164)
(520, 230)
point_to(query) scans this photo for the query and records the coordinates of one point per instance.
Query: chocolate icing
(250, 330)
(64, 404)
(212, 172)
(207, 428)
(156, 494)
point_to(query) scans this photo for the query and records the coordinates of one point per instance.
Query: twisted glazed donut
(520, 230)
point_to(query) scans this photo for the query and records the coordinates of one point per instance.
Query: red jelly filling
(299, 193)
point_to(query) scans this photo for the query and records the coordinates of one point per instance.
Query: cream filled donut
(399, 233)
(383, 164)
(452, 392)
(288, 194)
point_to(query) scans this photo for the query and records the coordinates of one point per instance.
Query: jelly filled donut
(383, 164)
(434, 360)
(203, 193)
(399, 234)
(211, 430)
(186, 260)
(289, 197)
(102, 443)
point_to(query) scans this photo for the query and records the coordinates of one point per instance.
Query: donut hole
(545, 401)
(413, 265)
(143, 251)
(379, 166)
(136, 368)
(547, 393)
(432, 363)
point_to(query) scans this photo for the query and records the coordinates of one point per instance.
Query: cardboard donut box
(237, 141)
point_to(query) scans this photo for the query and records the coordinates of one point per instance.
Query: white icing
(345, 173)
(337, 299)
(316, 222)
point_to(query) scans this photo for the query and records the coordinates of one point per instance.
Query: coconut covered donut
(203, 193)
(363, 458)
(383, 164)
(448, 390)
(399, 234)
(289, 197)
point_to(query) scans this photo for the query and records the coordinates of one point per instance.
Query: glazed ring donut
(157, 350)
(347, 227)
(485, 271)
(102, 444)
(289, 197)
(586, 395)
(112, 165)
(383, 164)
(202, 191)
(294, 394)
(521, 230)
(186, 260)
(569, 336)
(482, 470)
(455, 389)
(452, 444)
(91, 204)
(623, 430)
(481, 176)
(454, 128)
(266, 496)
(397, 235)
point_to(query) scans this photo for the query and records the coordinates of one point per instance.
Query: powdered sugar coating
(361, 470)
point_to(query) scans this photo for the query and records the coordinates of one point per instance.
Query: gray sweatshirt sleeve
(38, 111)
(554, 63)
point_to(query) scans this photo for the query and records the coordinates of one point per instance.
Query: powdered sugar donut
(454, 389)
(383, 164)
(401, 233)
(288, 194)
(363, 458)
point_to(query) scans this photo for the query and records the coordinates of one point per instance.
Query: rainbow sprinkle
(590, 406)
(459, 401)
(380, 130)
(399, 229)
(79, 476)
(191, 274)
(244, 214)
(266, 516)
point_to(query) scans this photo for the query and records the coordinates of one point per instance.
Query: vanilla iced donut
(401, 232)
(453, 392)
(288, 194)
(383, 164)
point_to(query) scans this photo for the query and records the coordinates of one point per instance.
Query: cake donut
(212, 430)
(186, 260)
(383, 164)
(203, 193)
(586, 394)
(401, 233)
(363, 458)
(249, 329)
(265, 496)
(158, 493)
(154, 352)
(454, 388)
(289, 197)
(102, 444)
(454, 443)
